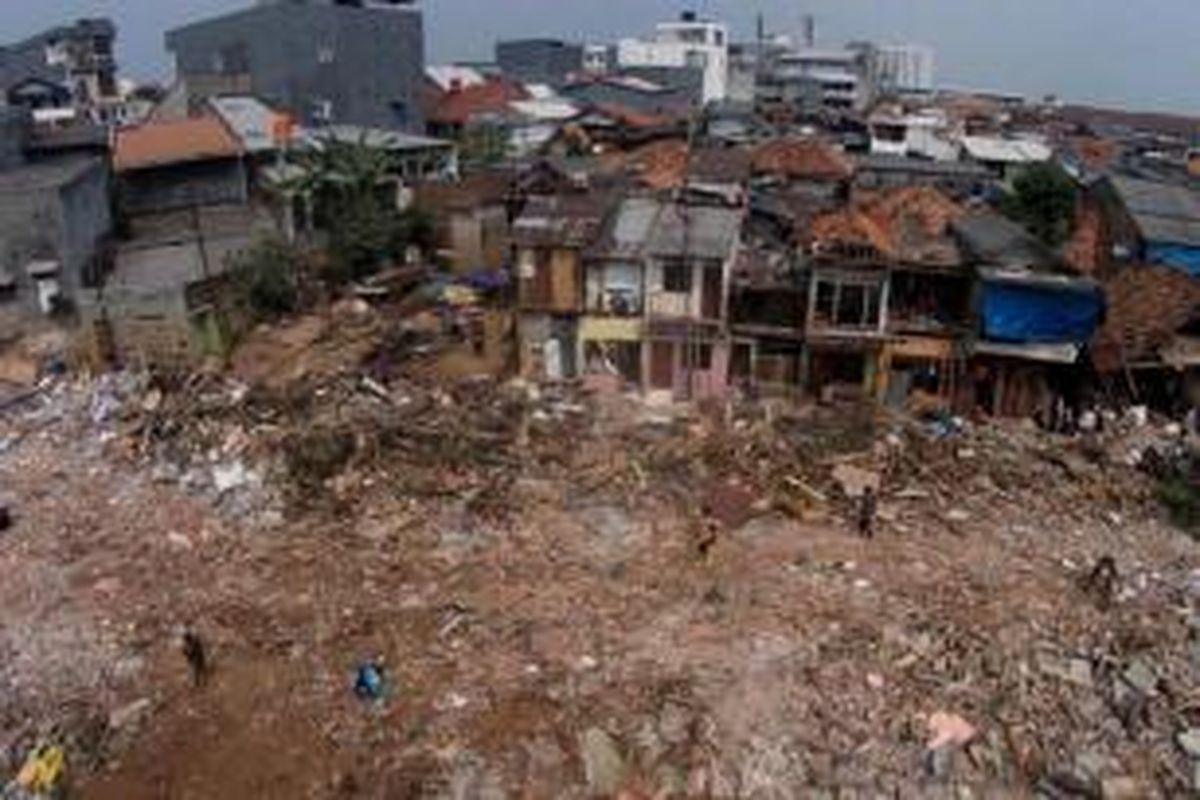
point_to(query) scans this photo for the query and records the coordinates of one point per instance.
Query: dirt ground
(596, 639)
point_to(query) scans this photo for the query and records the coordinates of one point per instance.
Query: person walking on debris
(1101, 582)
(868, 505)
(196, 656)
(708, 532)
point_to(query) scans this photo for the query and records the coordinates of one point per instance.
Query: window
(697, 59)
(677, 277)
(400, 112)
(698, 357)
(847, 303)
(322, 111)
(326, 54)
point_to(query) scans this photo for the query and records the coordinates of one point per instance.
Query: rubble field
(570, 596)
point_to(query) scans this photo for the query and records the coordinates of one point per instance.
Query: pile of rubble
(571, 596)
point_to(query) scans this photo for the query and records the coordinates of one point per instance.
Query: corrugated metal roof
(561, 220)
(251, 120)
(995, 241)
(554, 109)
(645, 226)
(377, 138)
(920, 166)
(699, 231)
(449, 76)
(1006, 151)
(1164, 212)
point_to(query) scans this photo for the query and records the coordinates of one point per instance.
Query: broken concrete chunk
(1141, 676)
(1123, 788)
(1189, 742)
(854, 481)
(130, 716)
(603, 765)
(949, 729)
(1077, 671)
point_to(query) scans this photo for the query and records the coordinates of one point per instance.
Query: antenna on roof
(810, 31)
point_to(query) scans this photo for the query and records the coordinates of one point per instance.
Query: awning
(1044, 353)
(1181, 352)
(42, 269)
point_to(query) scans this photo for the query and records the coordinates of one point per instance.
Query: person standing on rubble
(868, 506)
(196, 655)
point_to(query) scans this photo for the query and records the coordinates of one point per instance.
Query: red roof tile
(909, 224)
(1147, 305)
(156, 144)
(631, 117)
(802, 158)
(458, 106)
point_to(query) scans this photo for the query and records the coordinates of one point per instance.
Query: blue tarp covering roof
(1180, 256)
(1015, 311)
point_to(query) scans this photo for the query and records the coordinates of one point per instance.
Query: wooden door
(710, 296)
(662, 365)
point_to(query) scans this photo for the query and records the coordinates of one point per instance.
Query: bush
(266, 277)
(1182, 499)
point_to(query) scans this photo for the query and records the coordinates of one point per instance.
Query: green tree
(1043, 199)
(351, 186)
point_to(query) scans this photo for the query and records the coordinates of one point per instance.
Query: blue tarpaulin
(1179, 256)
(1017, 312)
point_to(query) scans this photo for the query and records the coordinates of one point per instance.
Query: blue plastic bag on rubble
(369, 683)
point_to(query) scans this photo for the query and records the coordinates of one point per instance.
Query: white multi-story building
(904, 68)
(690, 42)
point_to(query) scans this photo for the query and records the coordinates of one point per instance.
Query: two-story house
(549, 239)
(656, 295)
(889, 301)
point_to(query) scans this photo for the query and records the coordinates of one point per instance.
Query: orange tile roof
(802, 158)
(661, 164)
(631, 117)
(459, 105)
(1147, 305)
(909, 224)
(155, 144)
(1085, 252)
(665, 163)
(1095, 152)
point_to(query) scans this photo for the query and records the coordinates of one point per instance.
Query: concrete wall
(368, 63)
(180, 186)
(14, 134)
(57, 220)
(539, 60)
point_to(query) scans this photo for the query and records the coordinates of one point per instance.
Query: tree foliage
(1043, 199)
(353, 189)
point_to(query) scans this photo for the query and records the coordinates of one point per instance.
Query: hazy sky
(1134, 53)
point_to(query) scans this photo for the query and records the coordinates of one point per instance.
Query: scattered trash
(370, 682)
(854, 481)
(43, 770)
(949, 729)
(230, 477)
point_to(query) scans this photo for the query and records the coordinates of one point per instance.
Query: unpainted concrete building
(355, 63)
(54, 220)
